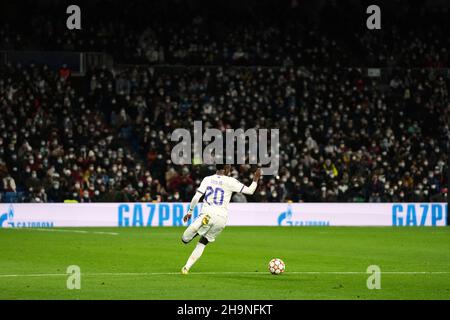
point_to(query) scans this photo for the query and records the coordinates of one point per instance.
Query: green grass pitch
(144, 263)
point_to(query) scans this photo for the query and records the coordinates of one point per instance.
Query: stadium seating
(346, 135)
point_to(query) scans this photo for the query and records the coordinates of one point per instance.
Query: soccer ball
(276, 266)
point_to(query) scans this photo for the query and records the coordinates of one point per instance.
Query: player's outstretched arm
(192, 205)
(251, 189)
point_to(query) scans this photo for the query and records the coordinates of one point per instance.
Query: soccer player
(216, 190)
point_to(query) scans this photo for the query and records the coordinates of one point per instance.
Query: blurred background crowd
(265, 32)
(344, 135)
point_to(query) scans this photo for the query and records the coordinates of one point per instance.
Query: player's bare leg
(195, 255)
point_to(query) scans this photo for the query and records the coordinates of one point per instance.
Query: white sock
(195, 255)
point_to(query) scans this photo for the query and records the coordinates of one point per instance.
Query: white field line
(67, 230)
(213, 273)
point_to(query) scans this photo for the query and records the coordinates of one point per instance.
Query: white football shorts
(206, 225)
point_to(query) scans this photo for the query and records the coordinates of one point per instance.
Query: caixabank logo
(7, 220)
(287, 218)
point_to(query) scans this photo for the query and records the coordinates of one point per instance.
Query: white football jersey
(217, 191)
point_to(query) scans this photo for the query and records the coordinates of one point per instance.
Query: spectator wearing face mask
(375, 189)
(55, 194)
(9, 184)
(330, 169)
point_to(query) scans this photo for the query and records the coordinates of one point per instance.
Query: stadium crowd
(269, 33)
(344, 135)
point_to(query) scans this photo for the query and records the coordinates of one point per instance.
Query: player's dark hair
(220, 167)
